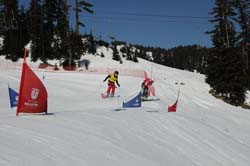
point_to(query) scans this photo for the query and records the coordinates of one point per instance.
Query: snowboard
(149, 99)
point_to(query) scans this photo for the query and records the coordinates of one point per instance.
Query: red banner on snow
(151, 90)
(173, 108)
(145, 75)
(32, 93)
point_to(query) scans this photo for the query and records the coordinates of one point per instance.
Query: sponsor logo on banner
(34, 93)
(137, 102)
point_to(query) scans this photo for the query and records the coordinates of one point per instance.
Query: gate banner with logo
(13, 97)
(32, 93)
(135, 102)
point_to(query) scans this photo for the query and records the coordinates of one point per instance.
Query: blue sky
(163, 23)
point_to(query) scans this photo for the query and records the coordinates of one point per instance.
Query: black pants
(145, 92)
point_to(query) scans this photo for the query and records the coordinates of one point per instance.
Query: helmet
(116, 73)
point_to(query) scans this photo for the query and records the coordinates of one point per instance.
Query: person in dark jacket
(145, 84)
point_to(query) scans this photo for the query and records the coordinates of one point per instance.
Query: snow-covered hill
(84, 129)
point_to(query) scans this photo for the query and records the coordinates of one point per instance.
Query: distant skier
(113, 78)
(145, 85)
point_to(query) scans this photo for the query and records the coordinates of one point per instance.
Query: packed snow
(83, 129)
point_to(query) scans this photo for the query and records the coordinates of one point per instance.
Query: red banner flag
(145, 75)
(151, 88)
(32, 93)
(173, 108)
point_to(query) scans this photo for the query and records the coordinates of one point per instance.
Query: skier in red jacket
(146, 83)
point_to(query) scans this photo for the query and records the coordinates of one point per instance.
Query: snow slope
(84, 129)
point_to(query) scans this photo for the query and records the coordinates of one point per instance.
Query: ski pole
(99, 87)
(118, 94)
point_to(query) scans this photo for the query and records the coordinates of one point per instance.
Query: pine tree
(2, 26)
(224, 62)
(129, 56)
(116, 55)
(61, 40)
(49, 11)
(81, 6)
(242, 8)
(76, 49)
(243, 19)
(23, 30)
(11, 38)
(135, 56)
(223, 35)
(234, 76)
(49, 29)
(36, 29)
(1, 7)
(92, 44)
